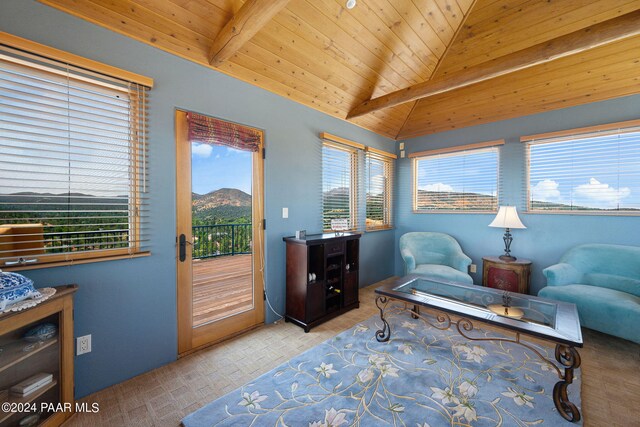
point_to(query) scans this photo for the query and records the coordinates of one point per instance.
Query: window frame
(354, 153)
(456, 150)
(568, 135)
(359, 181)
(31, 51)
(388, 165)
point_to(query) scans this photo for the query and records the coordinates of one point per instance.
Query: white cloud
(235, 152)
(439, 187)
(599, 194)
(201, 150)
(545, 191)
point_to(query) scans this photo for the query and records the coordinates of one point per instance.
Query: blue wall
(547, 236)
(130, 306)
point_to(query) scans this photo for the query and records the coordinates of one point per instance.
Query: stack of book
(31, 384)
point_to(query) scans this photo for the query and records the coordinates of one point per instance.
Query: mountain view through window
(221, 200)
(459, 181)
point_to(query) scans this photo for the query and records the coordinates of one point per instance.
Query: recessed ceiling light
(351, 4)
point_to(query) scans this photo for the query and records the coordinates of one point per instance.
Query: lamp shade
(507, 217)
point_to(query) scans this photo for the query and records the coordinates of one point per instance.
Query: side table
(512, 276)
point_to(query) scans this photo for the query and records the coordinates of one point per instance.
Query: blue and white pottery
(42, 332)
(15, 287)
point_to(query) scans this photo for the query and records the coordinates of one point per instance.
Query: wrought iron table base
(566, 355)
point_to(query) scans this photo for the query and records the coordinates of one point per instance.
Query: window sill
(351, 230)
(455, 212)
(73, 262)
(584, 213)
(369, 230)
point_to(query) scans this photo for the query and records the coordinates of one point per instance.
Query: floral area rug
(421, 377)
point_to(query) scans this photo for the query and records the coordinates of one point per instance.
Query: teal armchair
(603, 281)
(436, 255)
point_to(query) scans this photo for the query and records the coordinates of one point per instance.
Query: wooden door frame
(190, 339)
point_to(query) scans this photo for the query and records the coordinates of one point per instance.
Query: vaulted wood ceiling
(321, 54)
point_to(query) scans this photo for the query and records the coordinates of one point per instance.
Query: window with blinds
(585, 171)
(458, 181)
(73, 162)
(339, 184)
(379, 195)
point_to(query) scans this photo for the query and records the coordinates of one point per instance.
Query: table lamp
(507, 218)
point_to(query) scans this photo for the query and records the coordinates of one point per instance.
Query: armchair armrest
(409, 260)
(561, 274)
(460, 262)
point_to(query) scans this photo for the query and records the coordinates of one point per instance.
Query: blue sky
(598, 172)
(57, 139)
(472, 172)
(215, 166)
(336, 168)
(376, 181)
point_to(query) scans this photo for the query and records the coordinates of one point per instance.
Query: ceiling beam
(606, 32)
(250, 18)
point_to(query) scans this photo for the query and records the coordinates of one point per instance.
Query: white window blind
(73, 162)
(461, 181)
(339, 184)
(379, 196)
(591, 173)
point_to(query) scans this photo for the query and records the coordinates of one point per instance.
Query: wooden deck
(221, 287)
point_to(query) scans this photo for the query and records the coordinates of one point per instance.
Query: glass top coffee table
(459, 305)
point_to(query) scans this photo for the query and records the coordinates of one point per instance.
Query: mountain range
(226, 205)
(455, 201)
(61, 200)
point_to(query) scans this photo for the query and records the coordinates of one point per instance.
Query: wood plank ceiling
(321, 54)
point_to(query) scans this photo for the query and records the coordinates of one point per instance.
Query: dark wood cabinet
(322, 277)
(512, 276)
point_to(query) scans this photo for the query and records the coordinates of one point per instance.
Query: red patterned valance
(209, 130)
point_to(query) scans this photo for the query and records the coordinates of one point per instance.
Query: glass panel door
(221, 211)
(219, 240)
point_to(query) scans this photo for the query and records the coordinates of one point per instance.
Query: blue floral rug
(421, 377)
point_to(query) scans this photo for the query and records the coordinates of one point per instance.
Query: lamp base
(501, 310)
(507, 247)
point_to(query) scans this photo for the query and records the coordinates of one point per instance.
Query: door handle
(182, 243)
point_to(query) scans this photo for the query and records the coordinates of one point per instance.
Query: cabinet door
(315, 301)
(297, 278)
(350, 288)
(506, 280)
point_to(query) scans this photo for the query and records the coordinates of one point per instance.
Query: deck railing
(39, 239)
(208, 241)
(221, 239)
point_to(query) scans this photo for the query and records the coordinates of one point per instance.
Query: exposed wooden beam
(251, 17)
(606, 32)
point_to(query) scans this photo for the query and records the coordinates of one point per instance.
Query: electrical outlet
(83, 344)
(285, 212)
(472, 268)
